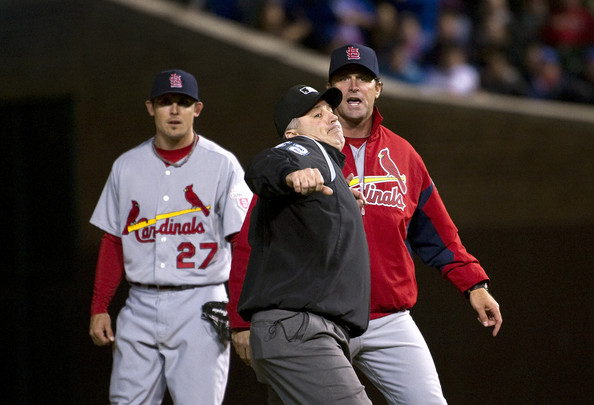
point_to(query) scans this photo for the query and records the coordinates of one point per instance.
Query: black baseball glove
(216, 313)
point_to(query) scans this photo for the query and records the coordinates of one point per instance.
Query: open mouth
(353, 101)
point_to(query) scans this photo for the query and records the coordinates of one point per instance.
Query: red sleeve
(232, 239)
(241, 255)
(109, 272)
(438, 243)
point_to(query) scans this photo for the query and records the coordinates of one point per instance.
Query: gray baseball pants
(304, 359)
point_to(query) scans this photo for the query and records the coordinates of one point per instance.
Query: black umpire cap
(298, 100)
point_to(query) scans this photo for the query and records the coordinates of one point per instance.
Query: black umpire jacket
(308, 253)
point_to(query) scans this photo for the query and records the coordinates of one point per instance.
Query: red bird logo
(193, 199)
(390, 167)
(134, 211)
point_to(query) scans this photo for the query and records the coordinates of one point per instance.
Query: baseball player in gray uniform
(170, 210)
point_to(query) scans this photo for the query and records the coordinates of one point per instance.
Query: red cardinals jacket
(404, 214)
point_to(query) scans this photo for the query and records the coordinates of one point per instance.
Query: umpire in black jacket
(306, 290)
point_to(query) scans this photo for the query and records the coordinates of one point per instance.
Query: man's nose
(354, 84)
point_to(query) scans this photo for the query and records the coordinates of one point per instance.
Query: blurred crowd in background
(541, 49)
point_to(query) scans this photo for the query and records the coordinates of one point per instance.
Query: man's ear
(198, 106)
(290, 133)
(149, 107)
(379, 86)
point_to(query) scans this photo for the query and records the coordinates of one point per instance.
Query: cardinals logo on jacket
(391, 169)
(389, 198)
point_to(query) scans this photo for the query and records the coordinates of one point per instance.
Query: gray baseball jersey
(173, 219)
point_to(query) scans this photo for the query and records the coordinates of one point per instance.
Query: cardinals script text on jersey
(390, 198)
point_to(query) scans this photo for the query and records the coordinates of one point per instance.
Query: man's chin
(339, 141)
(336, 133)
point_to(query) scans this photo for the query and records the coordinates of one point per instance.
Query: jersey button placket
(161, 248)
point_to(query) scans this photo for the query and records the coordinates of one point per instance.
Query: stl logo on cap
(175, 81)
(353, 53)
(307, 90)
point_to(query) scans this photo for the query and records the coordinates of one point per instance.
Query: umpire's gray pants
(304, 359)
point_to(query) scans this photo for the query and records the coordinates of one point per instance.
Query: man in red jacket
(403, 214)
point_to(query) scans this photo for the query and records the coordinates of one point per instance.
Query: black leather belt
(164, 287)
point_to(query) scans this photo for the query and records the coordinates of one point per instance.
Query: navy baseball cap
(353, 54)
(298, 100)
(175, 81)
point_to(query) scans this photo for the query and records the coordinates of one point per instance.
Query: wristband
(482, 284)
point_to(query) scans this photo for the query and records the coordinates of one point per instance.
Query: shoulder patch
(241, 193)
(293, 147)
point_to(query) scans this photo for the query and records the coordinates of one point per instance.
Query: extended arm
(277, 173)
(434, 237)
